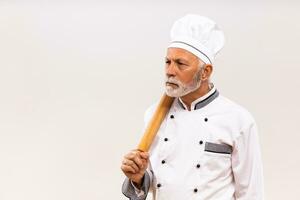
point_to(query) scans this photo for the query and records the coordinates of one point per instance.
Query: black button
(158, 185)
(195, 190)
(198, 165)
(166, 139)
(201, 142)
(205, 119)
(163, 161)
(172, 116)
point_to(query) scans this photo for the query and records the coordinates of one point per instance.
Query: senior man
(207, 146)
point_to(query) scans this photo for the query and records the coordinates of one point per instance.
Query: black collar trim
(204, 102)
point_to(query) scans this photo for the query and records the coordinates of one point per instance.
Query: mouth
(171, 84)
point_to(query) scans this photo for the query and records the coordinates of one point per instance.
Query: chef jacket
(209, 152)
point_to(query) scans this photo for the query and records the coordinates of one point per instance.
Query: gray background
(76, 77)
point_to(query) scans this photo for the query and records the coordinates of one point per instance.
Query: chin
(172, 93)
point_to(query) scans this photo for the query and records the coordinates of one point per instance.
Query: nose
(171, 70)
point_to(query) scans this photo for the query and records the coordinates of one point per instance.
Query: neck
(189, 98)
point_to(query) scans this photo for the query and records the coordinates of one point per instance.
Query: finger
(135, 156)
(131, 155)
(132, 164)
(145, 163)
(144, 155)
(138, 161)
(127, 169)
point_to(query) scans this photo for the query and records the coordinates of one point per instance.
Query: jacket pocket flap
(218, 148)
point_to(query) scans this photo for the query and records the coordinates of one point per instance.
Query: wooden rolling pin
(154, 125)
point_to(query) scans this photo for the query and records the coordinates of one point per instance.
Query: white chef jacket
(209, 153)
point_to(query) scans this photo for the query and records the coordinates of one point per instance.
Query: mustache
(173, 80)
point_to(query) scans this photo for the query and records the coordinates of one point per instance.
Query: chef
(207, 146)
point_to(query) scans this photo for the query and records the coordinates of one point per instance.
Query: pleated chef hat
(198, 35)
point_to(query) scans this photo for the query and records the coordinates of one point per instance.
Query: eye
(168, 61)
(181, 64)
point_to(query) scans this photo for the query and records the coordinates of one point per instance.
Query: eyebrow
(178, 60)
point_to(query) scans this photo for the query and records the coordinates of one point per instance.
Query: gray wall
(76, 77)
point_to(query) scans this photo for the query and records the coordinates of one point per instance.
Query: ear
(206, 72)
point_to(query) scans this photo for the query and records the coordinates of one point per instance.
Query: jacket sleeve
(131, 192)
(247, 165)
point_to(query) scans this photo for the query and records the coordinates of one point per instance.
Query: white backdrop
(76, 77)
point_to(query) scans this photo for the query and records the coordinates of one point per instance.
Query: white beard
(183, 89)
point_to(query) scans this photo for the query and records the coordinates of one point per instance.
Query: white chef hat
(198, 35)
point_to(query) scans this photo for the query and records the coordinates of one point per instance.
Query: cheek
(187, 78)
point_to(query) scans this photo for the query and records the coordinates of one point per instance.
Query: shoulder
(149, 112)
(240, 113)
(152, 109)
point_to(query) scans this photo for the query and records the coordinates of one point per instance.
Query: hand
(134, 165)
